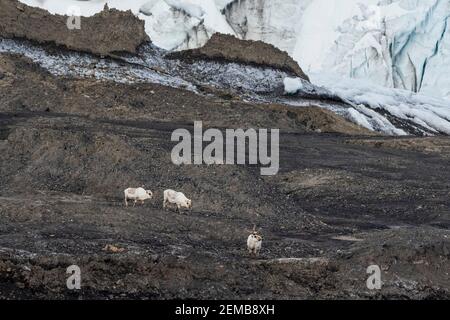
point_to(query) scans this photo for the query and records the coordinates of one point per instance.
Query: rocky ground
(76, 130)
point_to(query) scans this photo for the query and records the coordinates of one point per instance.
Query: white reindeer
(177, 198)
(254, 242)
(137, 194)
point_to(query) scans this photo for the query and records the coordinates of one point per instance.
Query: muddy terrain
(341, 202)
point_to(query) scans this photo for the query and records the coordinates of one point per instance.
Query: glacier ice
(355, 50)
(431, 115)
(394, 43)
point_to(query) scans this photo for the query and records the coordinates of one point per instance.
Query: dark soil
(68, 149)
(223, 47)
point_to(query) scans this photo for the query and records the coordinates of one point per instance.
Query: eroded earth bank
(345, 198)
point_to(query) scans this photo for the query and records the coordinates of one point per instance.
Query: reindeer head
(256, 233)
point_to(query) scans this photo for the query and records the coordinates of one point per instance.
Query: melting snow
(430, 113)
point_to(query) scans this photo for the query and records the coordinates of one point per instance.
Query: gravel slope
(339, 204)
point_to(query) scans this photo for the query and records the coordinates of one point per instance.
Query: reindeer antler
(254, 230)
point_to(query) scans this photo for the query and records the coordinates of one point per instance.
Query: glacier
(400, 44)
(383, 57)
(394, 43)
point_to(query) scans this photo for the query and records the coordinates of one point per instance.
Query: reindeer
(137, 194)
(254, 242)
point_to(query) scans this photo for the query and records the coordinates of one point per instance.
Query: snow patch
(292, 85)
(428, 112)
